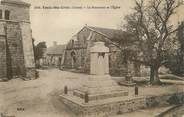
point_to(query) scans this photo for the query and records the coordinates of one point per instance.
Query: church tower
(16, 47)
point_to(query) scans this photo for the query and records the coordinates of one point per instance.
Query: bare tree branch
(150, 25)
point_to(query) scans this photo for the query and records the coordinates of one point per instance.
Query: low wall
(119, 107)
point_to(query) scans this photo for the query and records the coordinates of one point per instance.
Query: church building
(16, 46)
(76, 55)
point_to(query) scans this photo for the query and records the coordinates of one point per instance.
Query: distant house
(77, 50)
(54, 55)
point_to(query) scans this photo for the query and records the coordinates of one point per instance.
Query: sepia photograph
(91, 58)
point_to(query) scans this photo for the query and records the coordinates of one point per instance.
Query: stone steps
(101, 96)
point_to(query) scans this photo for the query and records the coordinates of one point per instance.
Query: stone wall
(14, 50)
(3, 68)
(19, 50)
(106, 110)
(120, 107)
(19, 47)
(80, 49)
(3, 71)
(27, 48)
(17, 12)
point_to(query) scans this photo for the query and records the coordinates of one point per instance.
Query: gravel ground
(40, 97)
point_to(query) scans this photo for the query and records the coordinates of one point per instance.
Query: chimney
(54, 43)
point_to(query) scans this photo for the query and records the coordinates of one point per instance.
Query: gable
(114, 35)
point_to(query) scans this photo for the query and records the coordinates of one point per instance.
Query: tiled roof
(112, 34)
(56, 50)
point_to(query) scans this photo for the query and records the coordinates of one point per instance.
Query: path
(40, 97)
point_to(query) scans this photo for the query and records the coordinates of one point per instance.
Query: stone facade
(3, 68)
(77, 50)
(16, 40)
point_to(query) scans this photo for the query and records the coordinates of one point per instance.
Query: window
(7, 14)
(1, 14)
(72, 43)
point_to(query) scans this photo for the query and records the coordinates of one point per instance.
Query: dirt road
(37, 98)
(40, 97)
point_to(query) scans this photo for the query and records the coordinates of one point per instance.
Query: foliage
(174, 100)
(175, 63)
(39, 50)
(176, 59)
(149, 23)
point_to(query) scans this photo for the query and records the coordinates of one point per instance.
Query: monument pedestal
(105, 98)
(100, 87)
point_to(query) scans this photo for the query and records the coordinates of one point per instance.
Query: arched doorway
(73, 57)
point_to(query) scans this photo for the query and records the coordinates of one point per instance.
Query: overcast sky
(60, 25)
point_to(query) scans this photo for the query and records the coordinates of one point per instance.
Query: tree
(181, 49)
(176, 60)
(150, 25)
(39, 50)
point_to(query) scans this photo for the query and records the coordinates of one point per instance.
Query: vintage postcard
(91, 58)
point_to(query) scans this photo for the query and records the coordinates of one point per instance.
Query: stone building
(54, 55)
(16, 47)
(77, 50)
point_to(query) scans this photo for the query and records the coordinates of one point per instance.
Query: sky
(50, 24)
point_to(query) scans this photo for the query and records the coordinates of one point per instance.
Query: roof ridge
(103, 28)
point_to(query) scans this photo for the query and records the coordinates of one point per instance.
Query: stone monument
(99, 94)
(99, 84)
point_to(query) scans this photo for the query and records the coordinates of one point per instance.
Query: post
(65, 90)
(136, 90)
(86, 97)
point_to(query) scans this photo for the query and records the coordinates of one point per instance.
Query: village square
(135, 70)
